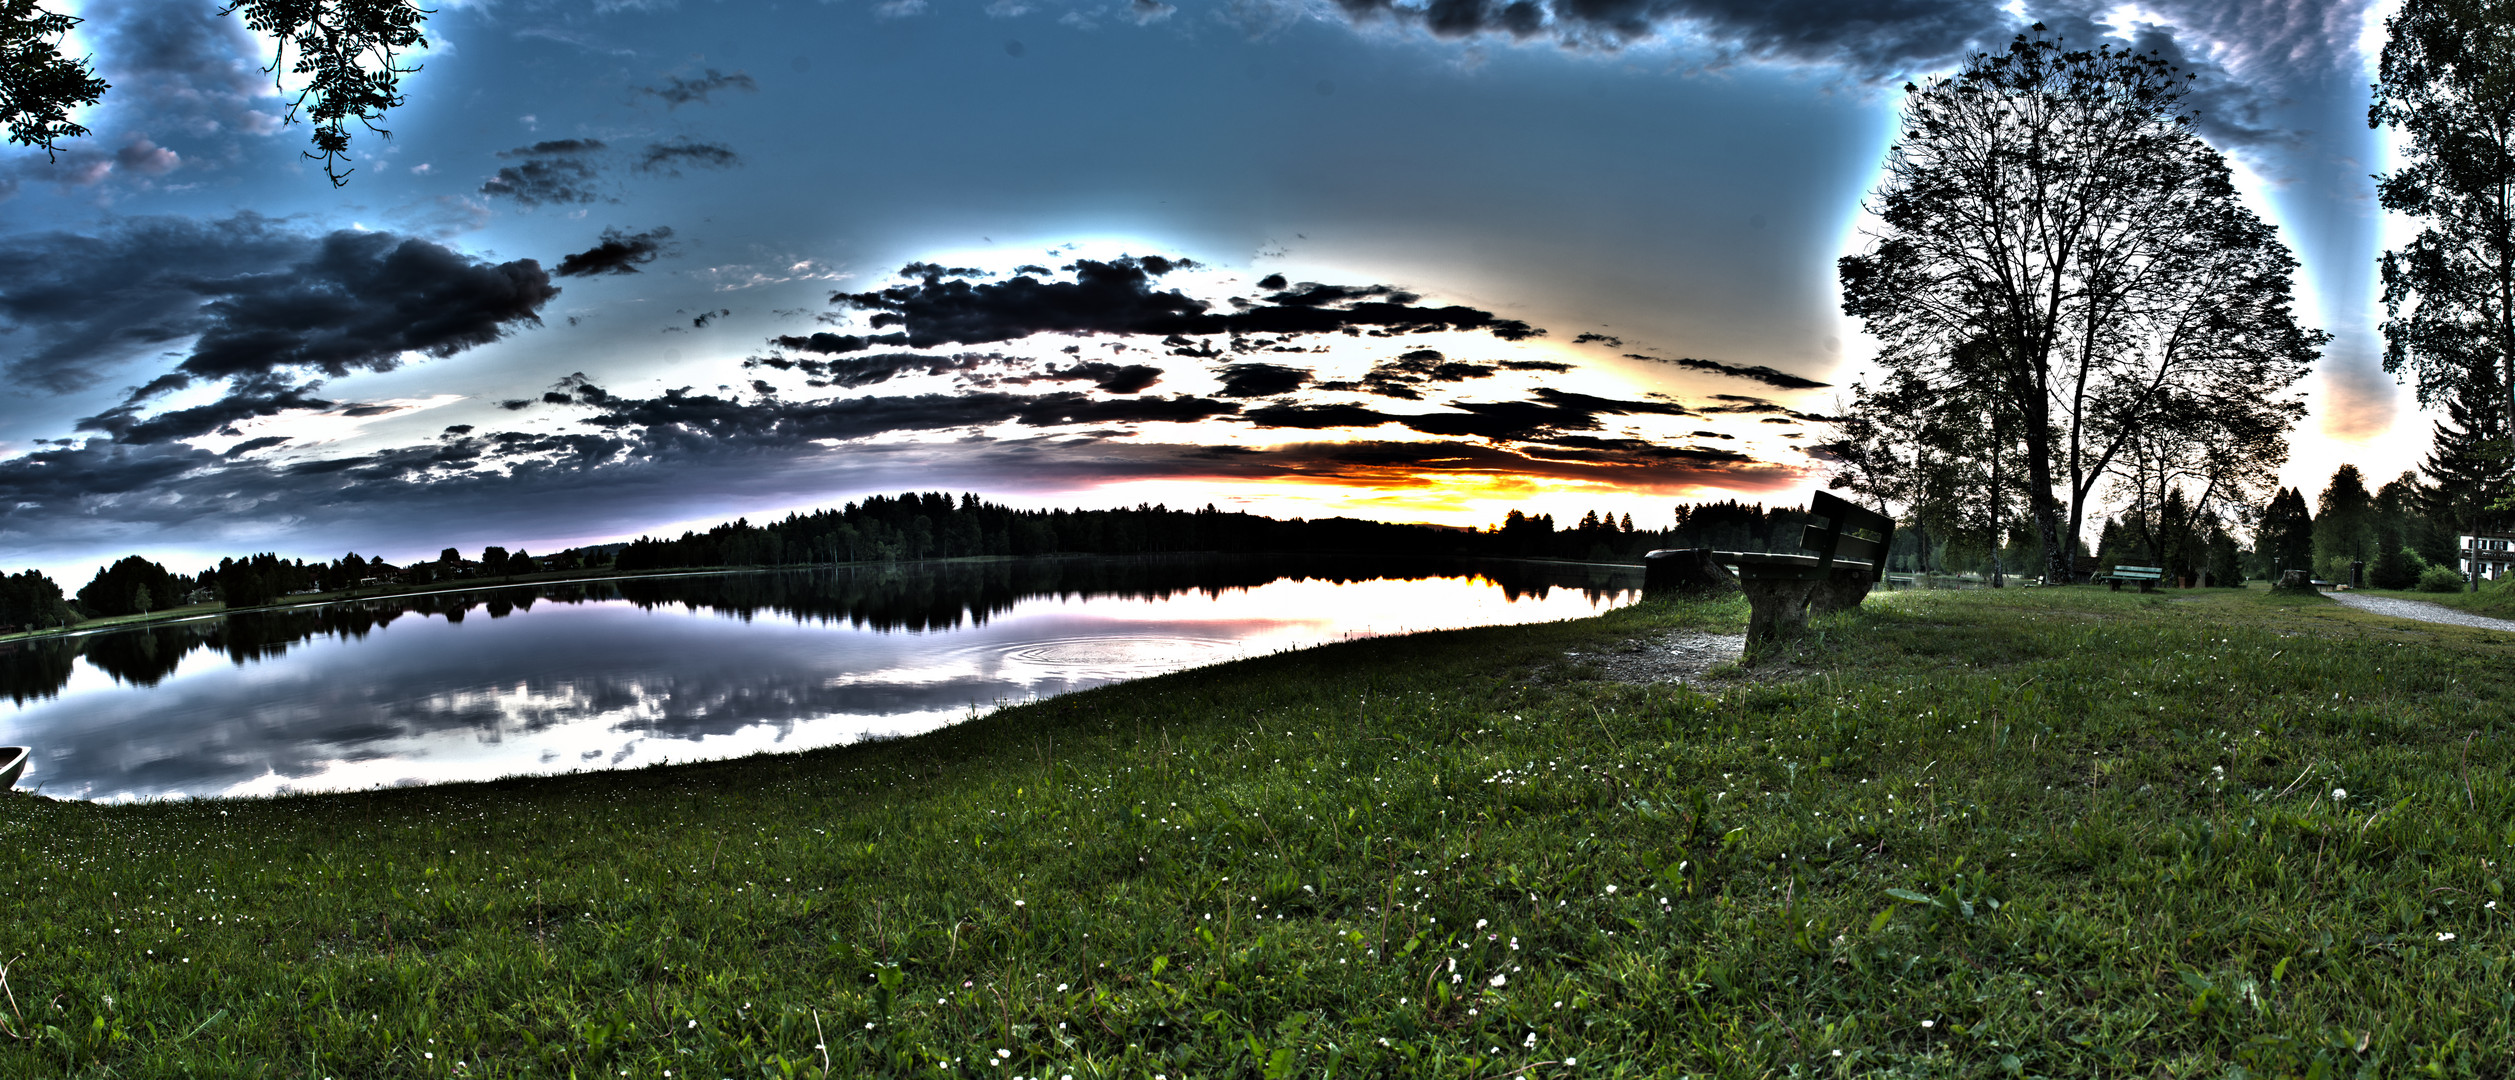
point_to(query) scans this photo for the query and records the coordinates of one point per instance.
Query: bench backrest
(1848, 531)
(2151, 572)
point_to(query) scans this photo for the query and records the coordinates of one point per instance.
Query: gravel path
(2420, 610)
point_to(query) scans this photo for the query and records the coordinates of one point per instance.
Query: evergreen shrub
(2440, 579)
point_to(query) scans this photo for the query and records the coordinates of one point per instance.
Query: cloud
(2245, 56)
(726, 424)
(833, 344)
(1103, 375)
(1756, 372)
(1117, 297)
(260, 304)
(678, 91)
(440, 216)
(146, 158)
(619, 253)
(183, 66)
(1261, 380)
(554, 171)
(358, 301)
(668, 157)
(250, 397)
(1870, 37)
(1318, 417)
(75, 306)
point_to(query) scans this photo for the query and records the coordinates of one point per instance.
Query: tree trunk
(2060, 566)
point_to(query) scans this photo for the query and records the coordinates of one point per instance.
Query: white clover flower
(1497, 980)
(2339, 794)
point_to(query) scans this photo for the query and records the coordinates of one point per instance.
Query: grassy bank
(2046, 832)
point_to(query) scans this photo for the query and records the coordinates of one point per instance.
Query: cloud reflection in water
(629, 673)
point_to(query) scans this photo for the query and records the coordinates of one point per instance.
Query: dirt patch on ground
(1678, 656)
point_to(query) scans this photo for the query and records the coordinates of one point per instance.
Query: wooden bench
(1849, 544)
(2146, 576)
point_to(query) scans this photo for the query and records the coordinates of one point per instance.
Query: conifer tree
(2287, 533)
(2470, 475)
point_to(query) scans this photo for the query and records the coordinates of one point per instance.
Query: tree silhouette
(2447, 83)
(2052, 233)
(349, 51)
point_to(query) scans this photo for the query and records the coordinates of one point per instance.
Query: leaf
(1910, 897)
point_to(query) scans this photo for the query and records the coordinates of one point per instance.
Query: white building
(2490, 555)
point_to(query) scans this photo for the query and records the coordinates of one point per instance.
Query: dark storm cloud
(1117, 297)
(556, 148)
(1552, 413)
(833, 344)
(544, 181)
(553, 171)
(1880, 36)
(619, 253)
(679, 417)
(1757, 372)
(1318, 417)
(253, 296)
(1260, 380)
(1386, 465)
(857, 371)
(251, 397)
(358, 302)
(1103, 375)
(1546, 418)
(74, 305)
(2244, 55)
(669, 157)
(250, 445)
(678, 91)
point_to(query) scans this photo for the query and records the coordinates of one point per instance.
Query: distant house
(2487, 555)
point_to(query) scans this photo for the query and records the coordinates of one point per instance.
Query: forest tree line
(912, 526)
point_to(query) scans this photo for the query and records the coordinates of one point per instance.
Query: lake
(479, 683)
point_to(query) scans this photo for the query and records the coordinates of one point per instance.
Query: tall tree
(2286, 535)
(2054, 208)
(2344, 524)
(133, 586)
(348, 51)
(2470, 472)
(31, 600)
(2447, 83)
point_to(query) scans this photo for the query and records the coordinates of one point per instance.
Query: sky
(634, 266)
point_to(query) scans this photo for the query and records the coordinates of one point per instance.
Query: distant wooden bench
(2146, 576)
(1849, 544)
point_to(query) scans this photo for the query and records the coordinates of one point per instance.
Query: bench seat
(2146, 576)
(1784, 589)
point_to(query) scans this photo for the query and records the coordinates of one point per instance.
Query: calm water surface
(496, 682)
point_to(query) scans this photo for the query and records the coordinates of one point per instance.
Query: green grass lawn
(2051, 832)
